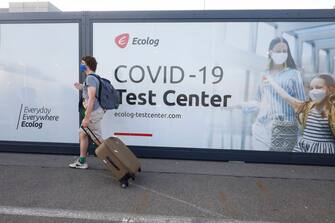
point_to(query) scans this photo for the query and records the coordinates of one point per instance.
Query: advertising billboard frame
(86, 21)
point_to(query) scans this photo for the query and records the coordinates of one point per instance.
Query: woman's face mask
(317, 95)
(279, 58)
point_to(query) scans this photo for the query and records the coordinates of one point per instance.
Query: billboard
(217, 85)
(201, 85)
(38, 67)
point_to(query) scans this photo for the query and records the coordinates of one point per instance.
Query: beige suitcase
(118, 159)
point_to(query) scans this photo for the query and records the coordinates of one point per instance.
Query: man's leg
(95, 126)
(81, 162)
(83, 140)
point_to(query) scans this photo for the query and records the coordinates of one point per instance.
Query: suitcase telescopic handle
(90, 133)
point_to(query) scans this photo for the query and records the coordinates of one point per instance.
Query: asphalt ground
(42, 188)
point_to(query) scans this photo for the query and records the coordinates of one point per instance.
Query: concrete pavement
(41, 188)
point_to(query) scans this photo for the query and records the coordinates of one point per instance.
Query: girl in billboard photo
(317, 115)
(276, 127)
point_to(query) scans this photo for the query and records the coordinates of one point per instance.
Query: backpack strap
(99, 93)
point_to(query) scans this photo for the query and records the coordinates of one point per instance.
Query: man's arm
(89, 106)
(78, 86)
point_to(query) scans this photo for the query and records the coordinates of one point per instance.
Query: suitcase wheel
(124, 185)
(139, 169)
(124, 181)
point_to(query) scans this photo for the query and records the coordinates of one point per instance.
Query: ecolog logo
(122, 41)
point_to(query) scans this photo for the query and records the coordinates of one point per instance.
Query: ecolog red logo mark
(122, 40)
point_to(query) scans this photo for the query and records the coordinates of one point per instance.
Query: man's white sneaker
(78, 165)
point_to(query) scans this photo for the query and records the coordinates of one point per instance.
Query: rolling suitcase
(118, 158)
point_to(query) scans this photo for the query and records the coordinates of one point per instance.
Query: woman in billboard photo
(276, 127)
(316, 115)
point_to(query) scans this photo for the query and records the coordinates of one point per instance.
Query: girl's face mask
(317, 95)
(279, 58)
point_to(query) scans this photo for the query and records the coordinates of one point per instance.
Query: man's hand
(85, 122)
(78, 86)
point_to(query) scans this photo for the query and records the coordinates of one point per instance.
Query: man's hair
(90, 62)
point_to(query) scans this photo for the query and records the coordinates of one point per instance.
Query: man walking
(93, 112)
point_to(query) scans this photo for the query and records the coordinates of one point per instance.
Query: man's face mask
(82, 67)
(279, 58)
(317, 95)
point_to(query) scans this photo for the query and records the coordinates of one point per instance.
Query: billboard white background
(190, 46)
(38, 66)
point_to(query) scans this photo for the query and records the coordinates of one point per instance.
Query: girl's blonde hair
(329, 111)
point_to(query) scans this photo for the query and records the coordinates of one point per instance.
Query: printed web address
(146, 115)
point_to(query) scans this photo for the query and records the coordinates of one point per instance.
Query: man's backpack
(108, 96)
